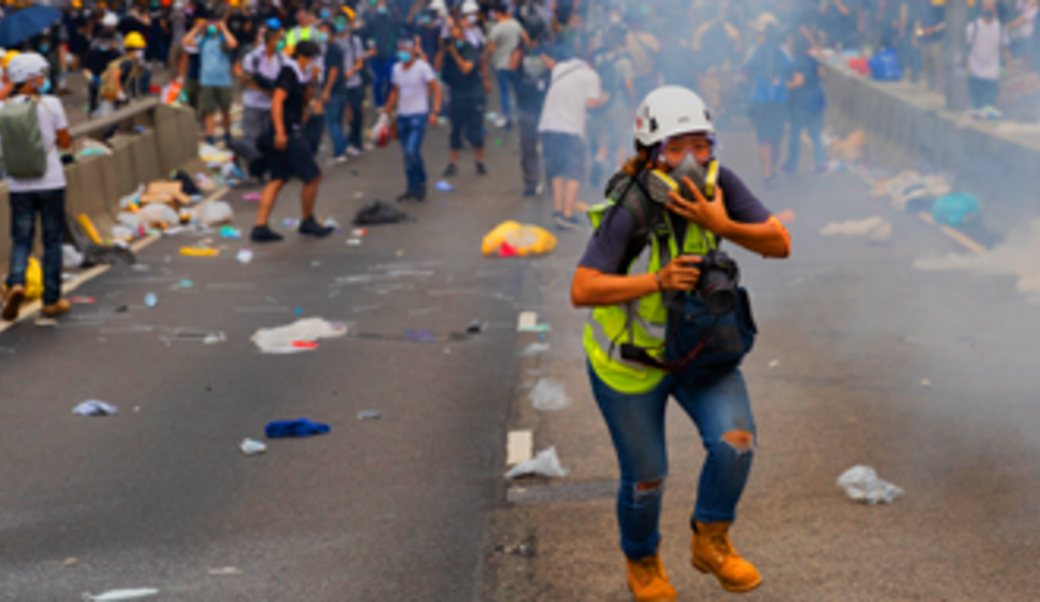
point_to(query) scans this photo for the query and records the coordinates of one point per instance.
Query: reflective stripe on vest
(642, 322)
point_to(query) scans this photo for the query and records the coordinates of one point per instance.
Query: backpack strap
(628, 193)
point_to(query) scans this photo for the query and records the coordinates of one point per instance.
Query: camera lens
(718, 292)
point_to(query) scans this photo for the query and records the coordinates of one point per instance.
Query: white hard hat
(26, 66)
(671, 111)
(470, 6)
(110, 20)
(438, 5)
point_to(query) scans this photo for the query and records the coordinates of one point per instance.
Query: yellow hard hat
(77, 4)
(134, 40)
(8, 56)
(349, 12)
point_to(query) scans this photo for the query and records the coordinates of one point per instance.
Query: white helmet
(469, 7)
(438, 6)
(671, 111)
(26, 66)
(110, 20)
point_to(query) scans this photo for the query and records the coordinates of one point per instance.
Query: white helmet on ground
(27, 66)
(671, 111)
(110, 20)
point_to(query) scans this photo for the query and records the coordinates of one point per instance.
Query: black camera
(719, 282)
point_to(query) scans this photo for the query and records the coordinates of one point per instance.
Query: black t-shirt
(381, 34)
(334, 58)
(532, 81)
(98, 59)
(237, 23)
(290, 82)
(131, 23)
(464, 86)
(606, 249)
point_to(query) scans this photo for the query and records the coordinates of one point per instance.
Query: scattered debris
(444, 186)
(527, 550)
(369, 415)
(379, 212)
(199, 252)
(477, 327)
(301, 427)
(70, 562)
(244, 256)
(534, 349)
(252, 447)
(226, 571)
(93, 407)
(528, 322)
(82, 300)
(546, 463)
(876, 228)
(284, 339)
(549, 396)
(956, 209)
(230, 232)
(862, 484)
(774, 364)
(511, 239)
(151, 300)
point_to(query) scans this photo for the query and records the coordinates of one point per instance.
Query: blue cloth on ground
(295, 428)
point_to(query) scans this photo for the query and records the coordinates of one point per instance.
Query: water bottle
(151, 300)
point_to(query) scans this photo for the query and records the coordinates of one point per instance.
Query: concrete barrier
(908, 128)
(166, 140)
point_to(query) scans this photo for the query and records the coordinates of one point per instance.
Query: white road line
(519, 447)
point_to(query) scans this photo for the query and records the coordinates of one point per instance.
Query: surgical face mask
(404, 56)
(381, 10)
(281, 45)
(341, 27)
(211, 31)
(45, 87)
(325, 14)
(44, 48)
(460, 44)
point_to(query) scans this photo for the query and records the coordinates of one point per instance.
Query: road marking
(519, 447)
(960, 237)
(28, 310)
(528, 320)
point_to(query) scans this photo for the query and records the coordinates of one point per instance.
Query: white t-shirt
(985, 41)
(52, 118)
(257, 62)
(1026, 9)
(413, 86)
(506, 36)
(574, 83)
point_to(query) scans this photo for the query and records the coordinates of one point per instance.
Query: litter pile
(511, 239)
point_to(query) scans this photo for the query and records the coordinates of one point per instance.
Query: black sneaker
(577, 222)
(530, 191)
(264, 234)
(311, 227)
(451, 170)
(419, 194)
(509, 125)
(481, 170)
(407, 196)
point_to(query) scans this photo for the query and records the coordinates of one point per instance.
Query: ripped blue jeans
(717, 402)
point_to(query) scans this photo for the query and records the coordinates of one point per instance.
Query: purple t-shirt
(607, 247)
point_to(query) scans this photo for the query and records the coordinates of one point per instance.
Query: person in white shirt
(28, 82)
(575, 88)
(259, 70)
(987, 42)
(414, 87)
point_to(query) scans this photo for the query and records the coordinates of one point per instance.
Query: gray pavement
(159, 494)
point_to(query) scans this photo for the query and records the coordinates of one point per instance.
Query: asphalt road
(158, 495)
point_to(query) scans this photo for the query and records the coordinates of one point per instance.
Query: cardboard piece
(169, 193)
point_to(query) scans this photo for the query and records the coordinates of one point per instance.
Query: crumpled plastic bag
(212, 154)
(280, 340)
(216, 213)
(862, 484)
(546, 463)
(549, 396)
(511, 239)
(118, 595)
(380, 132)
(70, 256)
(93, 407)
(153, 213)
(33, 280)
(955, 209)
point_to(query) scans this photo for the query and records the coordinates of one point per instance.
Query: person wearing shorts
(465, 74)
(215, 45)
(285, 148)
(769, 71)
(575, 88)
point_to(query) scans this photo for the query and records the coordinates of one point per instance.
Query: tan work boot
(648, 580)
(15, 296)
(713, 553)
(56, 309)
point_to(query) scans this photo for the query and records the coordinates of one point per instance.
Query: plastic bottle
(151, 300)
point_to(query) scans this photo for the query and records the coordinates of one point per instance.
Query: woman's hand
(710, 215)
(679, 275)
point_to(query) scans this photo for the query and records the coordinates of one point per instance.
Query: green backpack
(21, 141)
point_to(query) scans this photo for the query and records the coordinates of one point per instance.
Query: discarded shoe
(648, 580)
(713, 553)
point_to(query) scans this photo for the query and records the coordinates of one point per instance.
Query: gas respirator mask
(705, 177)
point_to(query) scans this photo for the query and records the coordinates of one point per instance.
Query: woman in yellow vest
(654, 333)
